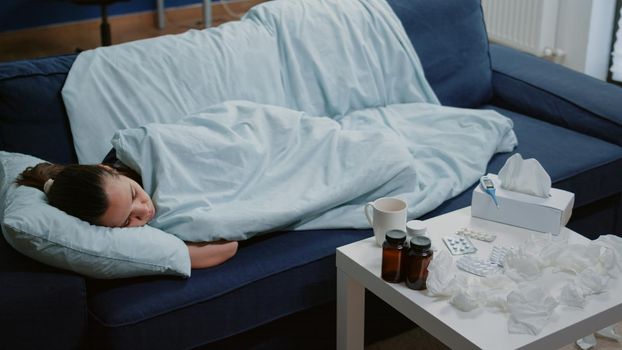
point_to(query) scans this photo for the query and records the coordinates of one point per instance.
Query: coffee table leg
(350, 313)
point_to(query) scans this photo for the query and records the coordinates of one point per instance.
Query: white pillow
(50, 236)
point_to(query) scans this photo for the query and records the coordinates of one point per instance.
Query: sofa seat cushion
(32, 115)
(271, 276)
(576, 162)
(42, 307)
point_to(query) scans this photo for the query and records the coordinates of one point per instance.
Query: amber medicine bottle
(394, 256)
(417, 261)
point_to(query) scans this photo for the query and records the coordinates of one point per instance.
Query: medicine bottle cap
(416, 227)
(420, 243)
(395, 236)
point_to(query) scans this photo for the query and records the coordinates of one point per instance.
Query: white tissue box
(524, 210)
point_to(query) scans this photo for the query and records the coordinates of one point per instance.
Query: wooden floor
(83, 35)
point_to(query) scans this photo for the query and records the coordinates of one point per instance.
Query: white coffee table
(358, 268)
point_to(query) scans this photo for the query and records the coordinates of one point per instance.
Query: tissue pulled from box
(525, 176)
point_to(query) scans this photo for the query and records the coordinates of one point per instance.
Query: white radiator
(528, 25)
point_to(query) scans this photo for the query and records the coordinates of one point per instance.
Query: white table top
(483, 327)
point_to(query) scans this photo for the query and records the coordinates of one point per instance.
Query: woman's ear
(108, 168)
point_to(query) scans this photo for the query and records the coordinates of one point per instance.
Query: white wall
(584, 30)
(599, 43)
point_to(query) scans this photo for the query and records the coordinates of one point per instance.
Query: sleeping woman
(111, 195)
(240, 169)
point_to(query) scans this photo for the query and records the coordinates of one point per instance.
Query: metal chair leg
(104, 27)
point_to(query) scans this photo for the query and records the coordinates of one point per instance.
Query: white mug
(388, 214)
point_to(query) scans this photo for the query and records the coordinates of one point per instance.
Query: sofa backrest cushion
(32, 114)
(451, 41)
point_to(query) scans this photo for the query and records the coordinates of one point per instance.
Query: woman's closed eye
(127, 222)
(128, 204)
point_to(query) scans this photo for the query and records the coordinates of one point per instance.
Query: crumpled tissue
(496, 290)
(611, 253)
(589, 341)
(521, 266)
(577, 257)
(587, 282)
(517, 292)
(572, 295)
(544, 250)
(468, 295)
(525, 176)
(441, 280)
(530, 308)
(592, 281)
(466, 292)
(526, 262)
(471, 292)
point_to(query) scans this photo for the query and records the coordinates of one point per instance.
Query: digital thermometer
(489, 187)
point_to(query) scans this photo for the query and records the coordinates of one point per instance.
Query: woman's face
(128, 204)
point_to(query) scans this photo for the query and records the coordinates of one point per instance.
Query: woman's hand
(210, 254)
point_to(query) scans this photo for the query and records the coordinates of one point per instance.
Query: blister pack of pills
(477, 266)
(482, 236)
(458, 245)
(497, 255)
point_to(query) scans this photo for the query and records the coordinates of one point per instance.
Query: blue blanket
(338, 112)
(241, 168)
(322, 57)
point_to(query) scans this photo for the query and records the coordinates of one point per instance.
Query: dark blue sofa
(279, 291)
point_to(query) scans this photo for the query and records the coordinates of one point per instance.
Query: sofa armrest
(556, 94)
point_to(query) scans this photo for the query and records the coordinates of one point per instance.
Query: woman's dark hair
(77, 189)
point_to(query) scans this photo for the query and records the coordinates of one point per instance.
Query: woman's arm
(204, 255)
